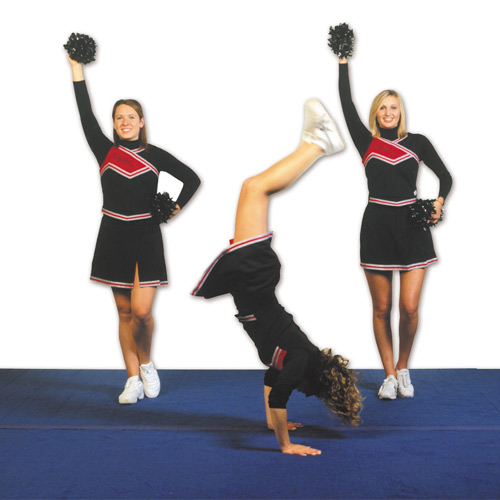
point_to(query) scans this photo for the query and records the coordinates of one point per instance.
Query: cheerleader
(129, 251)
(250, 270)
(389, 242)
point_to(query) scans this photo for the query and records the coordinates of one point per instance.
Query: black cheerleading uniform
(129, 178)
(250, 270)
(388, 239)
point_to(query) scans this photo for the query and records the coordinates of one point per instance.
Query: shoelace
(406, 378)
(148, 372)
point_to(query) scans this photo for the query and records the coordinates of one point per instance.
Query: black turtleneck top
(129, 173)
(391, 164)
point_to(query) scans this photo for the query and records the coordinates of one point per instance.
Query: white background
(223, 84)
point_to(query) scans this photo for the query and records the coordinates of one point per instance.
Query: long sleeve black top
(250, 271)
(391, 164)
(129, 192)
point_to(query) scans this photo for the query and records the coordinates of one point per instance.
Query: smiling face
(127, 123)
(388, 113)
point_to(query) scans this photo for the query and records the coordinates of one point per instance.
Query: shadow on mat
(239, 440)
(90, 380)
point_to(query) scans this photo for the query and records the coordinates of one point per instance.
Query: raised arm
(77, 70)
(98, 142)
(360, 135)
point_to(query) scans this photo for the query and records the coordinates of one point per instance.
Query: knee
(252, 185)
(408, 311)
(124, 313)
(141, 314)
(382, 311)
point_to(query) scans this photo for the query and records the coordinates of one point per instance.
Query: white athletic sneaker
(150, 380)
(133, 391)
(389, 388)
(319, 128)
(405, 388)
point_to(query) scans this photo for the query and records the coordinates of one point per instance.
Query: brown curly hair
(338, 387)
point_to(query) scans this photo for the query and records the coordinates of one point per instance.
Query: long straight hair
(136, 105)
(377, 102)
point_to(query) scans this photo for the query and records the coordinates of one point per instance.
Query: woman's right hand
(77, 69)
(292, 426)
(299, 449)
(73, 62)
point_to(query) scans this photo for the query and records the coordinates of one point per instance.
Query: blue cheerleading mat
(64, 435)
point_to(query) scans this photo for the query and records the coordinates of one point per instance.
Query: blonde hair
(377, 102)
(338, 388)
(136, 105)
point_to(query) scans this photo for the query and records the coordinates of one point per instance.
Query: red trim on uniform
(127, 218)
(248, 317)
(278, 358)
(116, 284)
(140, 159)
(398, 267)
(127, 163)
(232, 248)
(401, 203)
(249, 241)
(388, 151)
(152, 283)
(119, 284)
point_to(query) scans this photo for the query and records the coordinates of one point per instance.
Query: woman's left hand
(175, 212)
(438, 204)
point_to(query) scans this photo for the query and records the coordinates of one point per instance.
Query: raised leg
(319, 137)
(251, 214)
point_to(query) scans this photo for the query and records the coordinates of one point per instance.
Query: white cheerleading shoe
(133, 391)
(150, 380)
(389, 388)
(319, 128)
(405, 387)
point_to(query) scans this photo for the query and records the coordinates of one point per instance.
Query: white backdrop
(223, 84)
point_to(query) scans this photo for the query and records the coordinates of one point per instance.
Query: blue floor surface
(63, 435)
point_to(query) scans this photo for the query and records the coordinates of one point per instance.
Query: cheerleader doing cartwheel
(389, 241)
(129, 251)
(250, 270)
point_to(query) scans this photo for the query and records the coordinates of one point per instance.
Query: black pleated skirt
(121, 245)
(389, 242)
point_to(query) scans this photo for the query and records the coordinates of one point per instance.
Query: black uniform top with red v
(391, 164)
(129, 173)
(250, 270)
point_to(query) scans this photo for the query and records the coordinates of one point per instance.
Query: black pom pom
(341, 40)
(162, 207)
(81, 48)
(421, 212)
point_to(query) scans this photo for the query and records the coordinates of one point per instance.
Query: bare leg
(251, 218)
(142, 319)
(136, 324)
(409, 298)
(127, 343)
(251, 214)
(380, 285)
